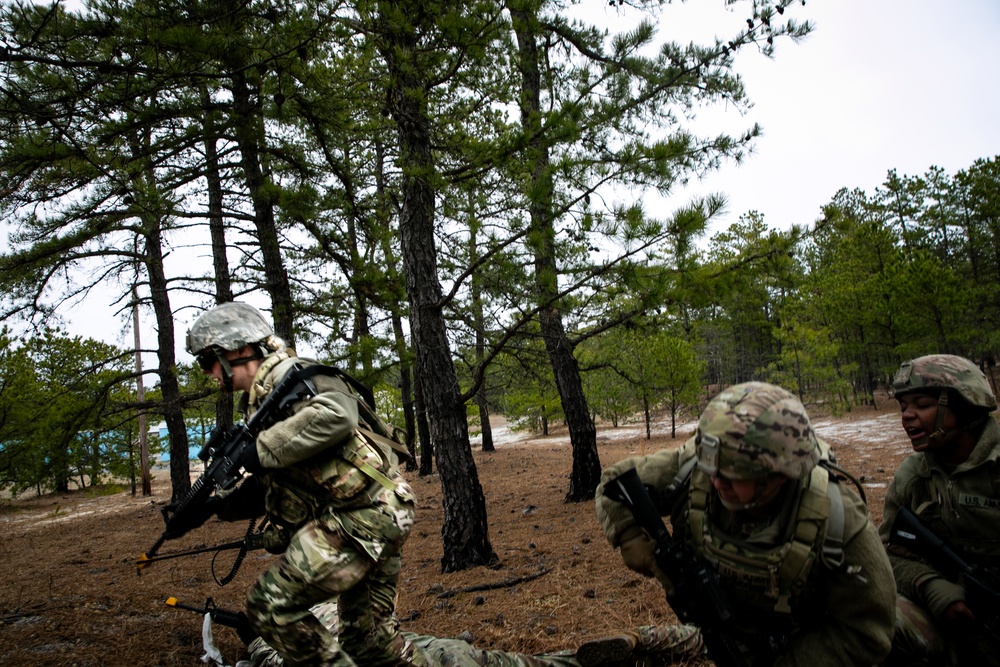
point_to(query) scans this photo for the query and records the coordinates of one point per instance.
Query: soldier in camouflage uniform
(326, 484)
(656, 646)
(952, 483)
(754, 493)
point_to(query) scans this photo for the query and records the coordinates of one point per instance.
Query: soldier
(952, 483)
(655, 646)
(333, 493)
(754, 494)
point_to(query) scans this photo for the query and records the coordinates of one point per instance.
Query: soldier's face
(746, 494)
(243, 373)
(919, 414)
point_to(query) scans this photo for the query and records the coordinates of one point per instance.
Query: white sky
(878, 85)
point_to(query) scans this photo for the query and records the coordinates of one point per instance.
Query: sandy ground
(71, 595)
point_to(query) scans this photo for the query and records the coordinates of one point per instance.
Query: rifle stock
(699, 598)
(981, 587)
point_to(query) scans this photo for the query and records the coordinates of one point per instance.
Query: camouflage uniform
(653, 645)
(784, 571)
(338, 496)
(657, 645)
(960, 504)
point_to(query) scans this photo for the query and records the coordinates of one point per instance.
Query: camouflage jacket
(847, 615)
(961, 505)
(315, 459)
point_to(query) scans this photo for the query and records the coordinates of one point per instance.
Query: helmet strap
(940, 433)
(227, 372)
(227, 365)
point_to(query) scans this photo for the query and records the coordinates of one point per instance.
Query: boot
(666, 643)
(613, 651)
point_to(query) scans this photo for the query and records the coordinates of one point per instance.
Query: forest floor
(71, 595)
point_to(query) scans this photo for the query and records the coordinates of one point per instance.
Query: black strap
(306, 372)
(239, 557)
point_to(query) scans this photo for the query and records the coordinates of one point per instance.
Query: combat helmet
(228, 326)
(753, 429)
(945, 371)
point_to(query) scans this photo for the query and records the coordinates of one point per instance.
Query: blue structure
(195, 438)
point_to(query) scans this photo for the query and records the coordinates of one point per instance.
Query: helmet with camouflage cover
(945, 371)
(754, 429)
(228, 326)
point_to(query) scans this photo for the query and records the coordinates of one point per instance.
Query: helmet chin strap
(940, 432)
(227, 373)
(227, 367)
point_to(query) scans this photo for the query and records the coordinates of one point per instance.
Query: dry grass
(71, 595)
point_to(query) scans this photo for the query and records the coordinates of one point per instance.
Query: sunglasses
(207, 360)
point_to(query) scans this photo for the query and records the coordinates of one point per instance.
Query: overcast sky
(878, 85)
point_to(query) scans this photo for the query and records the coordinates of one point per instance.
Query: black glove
(249, 460)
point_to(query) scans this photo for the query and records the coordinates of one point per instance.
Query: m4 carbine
(982, 589)
(698, 598)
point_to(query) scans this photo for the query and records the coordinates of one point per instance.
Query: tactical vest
(345, 476)
(769, 582)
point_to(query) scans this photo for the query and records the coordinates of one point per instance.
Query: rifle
(231, 619)
(982, 588)
(699, 598)
(226, 448)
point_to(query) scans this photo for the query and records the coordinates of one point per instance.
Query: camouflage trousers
(657, 645)
(348, 558)
(920, 642)
(653, 646)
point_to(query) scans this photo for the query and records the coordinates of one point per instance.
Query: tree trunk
(646, 417)
(180, 476)
(465, 534)
(484, 421)
(249, 134)
(424, 431)
(152, 217)
(479, 320)
(406, 388)
(220, 261)
(583, 436)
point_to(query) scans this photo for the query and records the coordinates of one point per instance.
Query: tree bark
(465, 534)
(249, 135)
(586, 473)
(477, 314)
(423, 432)
(180, 478)
(220, 261)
